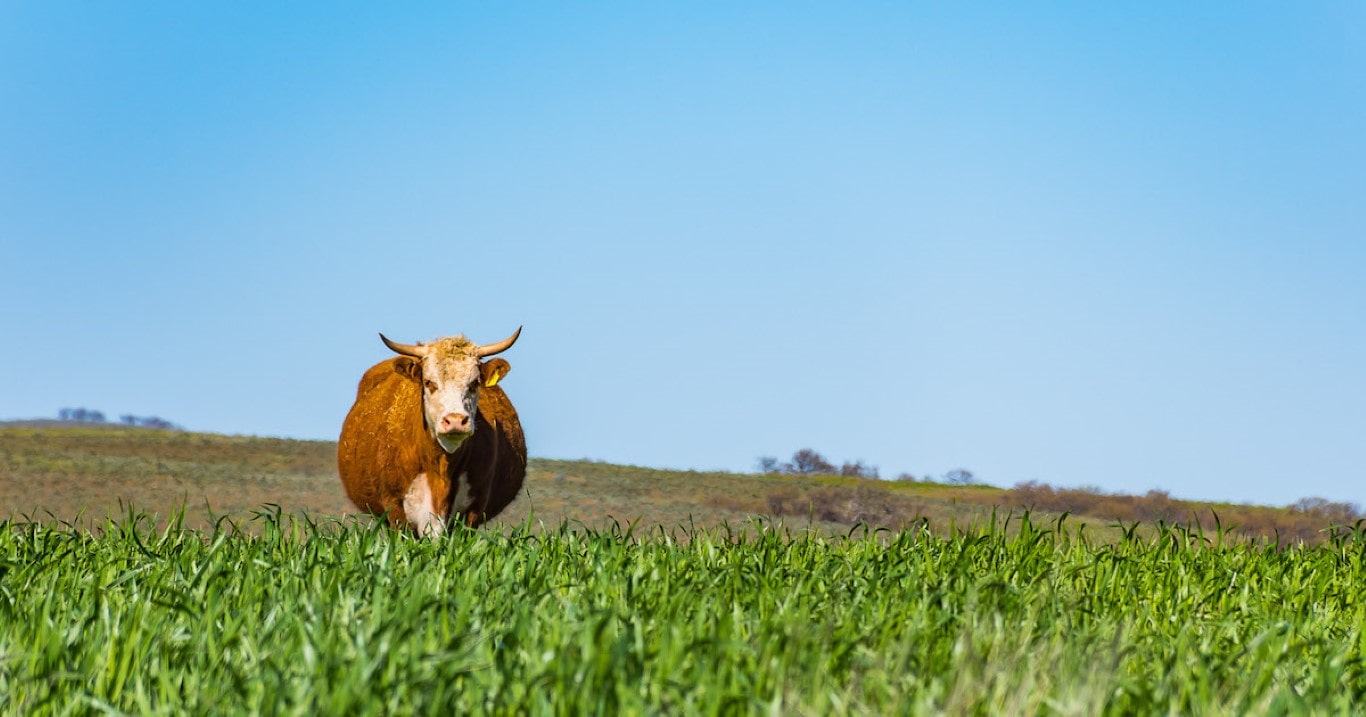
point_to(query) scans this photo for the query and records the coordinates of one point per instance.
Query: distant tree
(858, 470)
(808, 462)
(1157, 505)
(157, 422)
(1324, 509)
(959, 476)
(80, 414)
(906, 478)
(86, 415)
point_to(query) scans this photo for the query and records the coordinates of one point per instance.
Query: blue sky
(1107, 244)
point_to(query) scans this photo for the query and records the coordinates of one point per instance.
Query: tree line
(86, 415)
(1305, 520)
(807, 462)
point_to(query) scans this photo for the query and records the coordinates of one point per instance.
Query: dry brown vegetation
(1308, 520)
(90, 472)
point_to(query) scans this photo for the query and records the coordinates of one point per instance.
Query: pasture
(293, 617)
(83, 473)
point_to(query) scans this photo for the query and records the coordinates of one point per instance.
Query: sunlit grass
(292, 617)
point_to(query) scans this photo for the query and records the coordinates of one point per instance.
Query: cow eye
(430, 386)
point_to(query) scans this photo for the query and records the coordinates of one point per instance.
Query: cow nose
(455, 423)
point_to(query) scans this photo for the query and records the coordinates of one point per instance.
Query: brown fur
(384, 444)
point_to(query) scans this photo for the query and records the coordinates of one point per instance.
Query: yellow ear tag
(493, 381)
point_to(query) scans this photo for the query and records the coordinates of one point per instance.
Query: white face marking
(417, 505)
(449, 385)
(462, 493)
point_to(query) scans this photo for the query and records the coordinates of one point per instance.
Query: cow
(432, 438)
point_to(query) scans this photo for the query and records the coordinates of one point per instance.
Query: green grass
(346, 618)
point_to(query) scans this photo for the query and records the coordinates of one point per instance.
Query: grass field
(345, 618)
(609, 589)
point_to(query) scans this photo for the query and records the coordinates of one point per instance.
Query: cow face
(450, 375)
(450, 396)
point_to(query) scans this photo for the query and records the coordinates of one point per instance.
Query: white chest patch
(462, 493)
(417, 505)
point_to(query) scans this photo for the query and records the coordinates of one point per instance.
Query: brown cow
(432, 436)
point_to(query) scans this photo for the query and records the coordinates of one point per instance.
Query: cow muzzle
(452, 430)
(454, 423)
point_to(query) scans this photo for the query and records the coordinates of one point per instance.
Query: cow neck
(453, 463)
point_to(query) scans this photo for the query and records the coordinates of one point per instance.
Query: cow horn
(416, 351)
(500, 347)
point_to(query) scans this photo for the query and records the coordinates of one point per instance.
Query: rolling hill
(83, 473)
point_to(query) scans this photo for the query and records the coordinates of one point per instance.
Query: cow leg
(462, 499)
(425, 506)
(469, 501)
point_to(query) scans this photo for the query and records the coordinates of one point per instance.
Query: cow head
(450, 374)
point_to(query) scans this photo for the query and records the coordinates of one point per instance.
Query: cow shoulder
(399, 367)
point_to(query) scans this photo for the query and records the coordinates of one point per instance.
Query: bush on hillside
(1308, 520)
(807, 461)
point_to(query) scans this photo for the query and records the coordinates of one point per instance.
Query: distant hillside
(88, 472)
(97, 470)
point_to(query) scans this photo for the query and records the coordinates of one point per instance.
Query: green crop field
(351, 618)
(727, 594)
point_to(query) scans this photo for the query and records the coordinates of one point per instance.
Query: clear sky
(1108, 244)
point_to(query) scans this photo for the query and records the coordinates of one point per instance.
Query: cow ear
(410, 367)
(493, 371)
